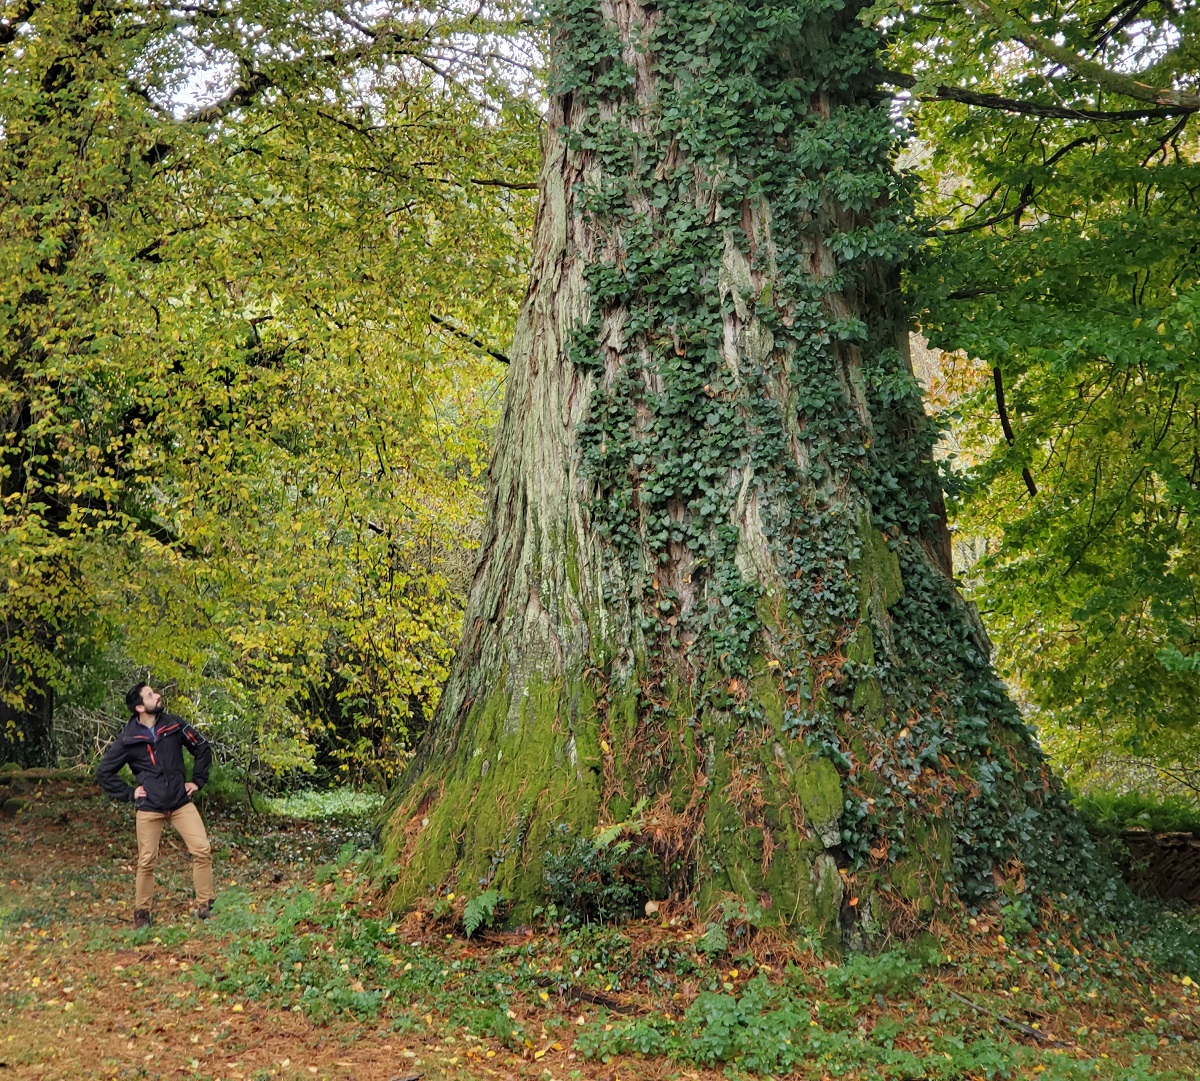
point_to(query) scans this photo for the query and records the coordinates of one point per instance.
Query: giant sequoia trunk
(715, 580)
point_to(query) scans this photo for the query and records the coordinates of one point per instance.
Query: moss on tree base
(752, 818)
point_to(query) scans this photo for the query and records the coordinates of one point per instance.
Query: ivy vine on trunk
(715, 578)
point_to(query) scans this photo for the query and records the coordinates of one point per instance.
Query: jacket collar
(136, 732)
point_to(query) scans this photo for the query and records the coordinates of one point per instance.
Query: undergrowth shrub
(862, 977)
(320, 947)
(590, 948)
(342, 804)
(591, 882)
(1108, 813)
(765, 1030)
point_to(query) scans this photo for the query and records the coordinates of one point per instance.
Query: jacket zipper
(153, 760)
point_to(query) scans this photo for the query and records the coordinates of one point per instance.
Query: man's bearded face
(152, 701)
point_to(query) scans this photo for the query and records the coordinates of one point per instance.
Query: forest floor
(303, 974)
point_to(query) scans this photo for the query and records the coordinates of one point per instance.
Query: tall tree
(70, 156)
(714, 600)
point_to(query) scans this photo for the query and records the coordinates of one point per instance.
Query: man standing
(151, 744)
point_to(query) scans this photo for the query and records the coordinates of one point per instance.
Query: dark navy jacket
(156, 761)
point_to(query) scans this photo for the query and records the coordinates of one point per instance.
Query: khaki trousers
(189, 825)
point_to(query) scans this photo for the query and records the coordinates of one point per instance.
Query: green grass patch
(324, 805)
(1056, 1004)
(997, 998)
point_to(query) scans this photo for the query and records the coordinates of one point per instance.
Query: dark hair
(133, 697)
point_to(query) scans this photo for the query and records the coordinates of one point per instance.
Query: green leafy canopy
(254, 262)
(1061, 278)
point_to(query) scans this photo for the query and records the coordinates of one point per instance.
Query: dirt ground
(81, 997)
(84, 996)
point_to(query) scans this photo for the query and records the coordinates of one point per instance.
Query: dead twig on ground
(1020, 1026)
(574, 993)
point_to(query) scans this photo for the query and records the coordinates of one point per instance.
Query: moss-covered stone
(13, 806)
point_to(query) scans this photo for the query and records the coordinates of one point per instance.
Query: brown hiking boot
(205, 911)
(141, 918)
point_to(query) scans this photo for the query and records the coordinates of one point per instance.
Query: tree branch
(1032, 108)
(1014, 29)
(510, 184)
(1027, 196)
(1024, 201)
(1002, 409)
(14, 19)
(1125, 11)
(250, 84)
(479, 343)
(252, 81)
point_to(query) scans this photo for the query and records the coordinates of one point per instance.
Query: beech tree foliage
(255, 259)
(1057, 149)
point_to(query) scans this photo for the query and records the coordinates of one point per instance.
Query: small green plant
(480, 911)
(325, 805)
(861, 978)
(735, 919)
(600, 880)
(1109, 813)
(715, 940)
(1018, 915)
(500, 1025)
(232, 911)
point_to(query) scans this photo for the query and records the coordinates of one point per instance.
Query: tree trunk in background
(715, 576)
(27, 735)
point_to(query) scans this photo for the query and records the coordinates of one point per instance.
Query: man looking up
(151, 744)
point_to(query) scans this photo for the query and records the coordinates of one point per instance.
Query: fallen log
(1163, 865)
(39, 775)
